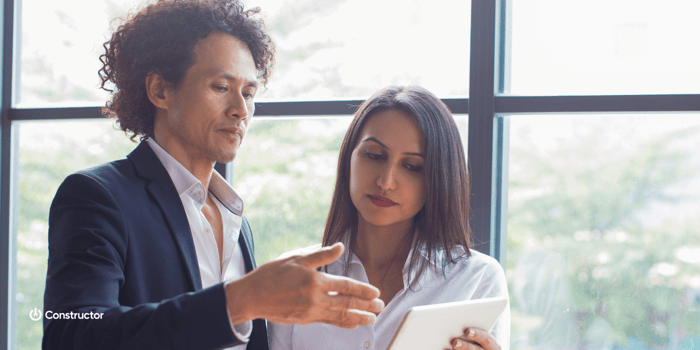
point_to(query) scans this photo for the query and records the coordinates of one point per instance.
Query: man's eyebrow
(250, 83)
(374, 139)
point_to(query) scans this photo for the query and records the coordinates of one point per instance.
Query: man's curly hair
(161, 38)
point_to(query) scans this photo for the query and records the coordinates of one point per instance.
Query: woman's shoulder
(482, 258)
(478, 260)
(479, 276)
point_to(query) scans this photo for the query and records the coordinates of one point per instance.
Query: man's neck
(200, 167)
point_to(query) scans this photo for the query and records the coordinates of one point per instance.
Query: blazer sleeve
(88, 246)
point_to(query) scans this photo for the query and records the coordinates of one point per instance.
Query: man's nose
(239, 107)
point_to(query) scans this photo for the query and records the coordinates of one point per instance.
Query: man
(152, 251)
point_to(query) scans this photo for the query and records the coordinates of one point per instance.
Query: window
(585, 188)
(603, 47)
(325, 48)
(602, 231)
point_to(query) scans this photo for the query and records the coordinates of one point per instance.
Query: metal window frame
(7, 146)
(487, 142)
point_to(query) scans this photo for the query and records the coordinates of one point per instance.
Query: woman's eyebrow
(374, 139)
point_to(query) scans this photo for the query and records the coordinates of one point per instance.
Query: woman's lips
(381, 201)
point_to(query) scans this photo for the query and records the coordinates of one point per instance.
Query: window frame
(487, 142)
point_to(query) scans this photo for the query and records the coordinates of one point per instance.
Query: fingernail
(377, 304)
(471, 333)
(459, 345)
(372, 320)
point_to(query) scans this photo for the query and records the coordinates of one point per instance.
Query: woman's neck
(383, 251)
(378, 247)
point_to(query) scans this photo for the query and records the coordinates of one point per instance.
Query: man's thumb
(322, 257)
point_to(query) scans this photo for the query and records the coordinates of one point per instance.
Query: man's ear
(156, 89)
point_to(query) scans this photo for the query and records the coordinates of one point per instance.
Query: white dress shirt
(476, 277)
(230, 205)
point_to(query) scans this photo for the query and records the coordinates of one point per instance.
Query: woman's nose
(387, 178)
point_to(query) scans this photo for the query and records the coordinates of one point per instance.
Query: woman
(401, 206)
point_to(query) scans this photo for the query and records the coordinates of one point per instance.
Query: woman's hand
(476, 339)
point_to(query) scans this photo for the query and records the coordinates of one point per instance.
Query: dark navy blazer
(120, 244)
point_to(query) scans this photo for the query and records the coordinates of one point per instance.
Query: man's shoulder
(105, 168)
(112, 172)
(141, 161)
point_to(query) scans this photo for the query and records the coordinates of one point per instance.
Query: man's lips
(234, 131)
(381, 201)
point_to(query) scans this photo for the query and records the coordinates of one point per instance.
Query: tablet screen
(432, 327)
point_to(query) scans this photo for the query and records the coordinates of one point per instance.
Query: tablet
(432, 327)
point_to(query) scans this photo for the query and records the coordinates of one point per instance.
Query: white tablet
(432, 327)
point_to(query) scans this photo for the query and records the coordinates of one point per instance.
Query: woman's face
(386, 170)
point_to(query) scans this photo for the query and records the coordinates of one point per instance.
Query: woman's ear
(155, 89)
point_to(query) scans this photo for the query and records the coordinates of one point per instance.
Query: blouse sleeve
(280, 336)
(494, 284)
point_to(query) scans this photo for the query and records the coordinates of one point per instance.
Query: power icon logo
(35, 314)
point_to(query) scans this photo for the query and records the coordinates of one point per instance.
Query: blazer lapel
(245, 239)
(165, 195)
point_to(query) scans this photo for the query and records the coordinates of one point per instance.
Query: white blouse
(476, 277)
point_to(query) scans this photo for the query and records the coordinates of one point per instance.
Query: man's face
(208, 115)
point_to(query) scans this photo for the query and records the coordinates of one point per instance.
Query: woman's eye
(413, 168)
(373, 156)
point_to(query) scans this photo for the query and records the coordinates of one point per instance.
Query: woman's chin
(383, 220)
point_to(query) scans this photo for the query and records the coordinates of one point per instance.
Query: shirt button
(367, 344)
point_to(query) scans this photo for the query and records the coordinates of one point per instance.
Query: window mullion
(484, 136)
(7, 239)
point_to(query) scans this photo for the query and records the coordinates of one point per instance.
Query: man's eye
(221, 88)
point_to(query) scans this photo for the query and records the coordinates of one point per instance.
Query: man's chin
(225, 159)
(226, 156)
(224, 153)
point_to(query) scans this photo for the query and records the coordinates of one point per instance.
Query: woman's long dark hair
(443, 222)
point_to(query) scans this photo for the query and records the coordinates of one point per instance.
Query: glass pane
(48, 152)
(328, 49)
(59, 49)
(603, 226)
(285, 173)
(591, 47)
(325, 49)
